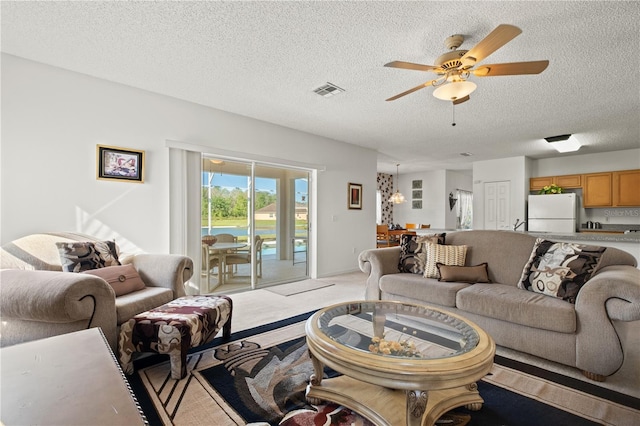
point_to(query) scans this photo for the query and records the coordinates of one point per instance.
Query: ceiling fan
(455, 66)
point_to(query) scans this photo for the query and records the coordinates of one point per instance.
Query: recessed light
(466, 154)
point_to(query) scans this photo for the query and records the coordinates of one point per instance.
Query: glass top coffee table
(393, 355)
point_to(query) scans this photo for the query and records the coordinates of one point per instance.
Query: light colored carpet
(298, 287)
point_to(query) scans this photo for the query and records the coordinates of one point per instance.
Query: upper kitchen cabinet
(626, 188)
(565, 182)
(597, 190)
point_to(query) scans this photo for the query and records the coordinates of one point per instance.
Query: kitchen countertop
(633, 237)
(591, 235)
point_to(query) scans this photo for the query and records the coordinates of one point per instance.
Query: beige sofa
(583, 335)
(38, 300)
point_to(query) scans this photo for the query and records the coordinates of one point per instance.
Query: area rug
(259, 377)
(297, 287)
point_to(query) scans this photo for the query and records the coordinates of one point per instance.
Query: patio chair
(240, 258)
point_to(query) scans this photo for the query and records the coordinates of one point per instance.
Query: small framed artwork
(416, 184)
(354, 200)
(416, 193)
(416, 204)
(116, 163)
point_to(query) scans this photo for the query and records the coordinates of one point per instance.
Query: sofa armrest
(31, 298)
(164, 270)
(612, 294)
(376, 263)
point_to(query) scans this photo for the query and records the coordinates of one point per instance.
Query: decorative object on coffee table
(173, 328)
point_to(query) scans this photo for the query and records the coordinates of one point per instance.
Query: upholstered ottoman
(173, 328)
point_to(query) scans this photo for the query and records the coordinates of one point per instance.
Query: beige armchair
(38, 300)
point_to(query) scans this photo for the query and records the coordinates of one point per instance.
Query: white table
(67, 379)
(220, 249)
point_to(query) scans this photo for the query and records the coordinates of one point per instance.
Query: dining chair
(410, 226)
(425, 226)
(383, 239)
(240, 258)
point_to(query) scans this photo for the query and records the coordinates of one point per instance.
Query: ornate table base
(382, 405)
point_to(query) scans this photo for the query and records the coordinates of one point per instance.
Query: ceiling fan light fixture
(454, 90)
(564, 143)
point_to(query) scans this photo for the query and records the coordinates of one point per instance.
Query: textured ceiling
(263, 60)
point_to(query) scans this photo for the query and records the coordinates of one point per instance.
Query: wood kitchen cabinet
(564, 182)
(537, 183)
(597, 190)
(569, 181)
(626, 188)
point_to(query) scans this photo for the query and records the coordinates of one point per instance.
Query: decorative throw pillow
(124, 279)
(560, 269)
(86, 255)
(413, 254)
(447, 255)
(464, 274)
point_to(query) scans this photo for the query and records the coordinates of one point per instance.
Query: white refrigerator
(553, 213)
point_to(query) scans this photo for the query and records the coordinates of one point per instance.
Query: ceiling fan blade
(494, 41)
(422, 86)
(511, 68)
(410, 66)
(461, 100)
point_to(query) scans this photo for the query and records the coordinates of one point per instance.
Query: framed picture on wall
(115, 163)
(416, 194)
(416, 204)
(416, 184)
(354, 200)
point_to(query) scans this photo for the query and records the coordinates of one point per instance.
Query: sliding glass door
(259, 216)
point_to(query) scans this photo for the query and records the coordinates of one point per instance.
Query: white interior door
(497, 202)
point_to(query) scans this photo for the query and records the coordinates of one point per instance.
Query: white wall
(436, 186)
(587, 163)
(52, 120)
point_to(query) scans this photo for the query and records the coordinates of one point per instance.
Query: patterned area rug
(259, 377)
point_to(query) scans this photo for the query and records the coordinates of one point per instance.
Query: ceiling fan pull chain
(453, 113)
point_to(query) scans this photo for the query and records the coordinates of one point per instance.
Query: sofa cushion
(135, 303)
(421, 289)
(560, 269)
(124, 279)
(413, 253)
(464, 274)
(491, 246)
(511, 304)
(81, 256)
(447, 255)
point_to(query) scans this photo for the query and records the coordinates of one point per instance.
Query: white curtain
(465, 209)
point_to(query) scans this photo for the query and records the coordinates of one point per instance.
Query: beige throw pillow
(447, 255)
(123, 279)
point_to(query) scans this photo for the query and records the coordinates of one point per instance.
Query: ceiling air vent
(328, 90)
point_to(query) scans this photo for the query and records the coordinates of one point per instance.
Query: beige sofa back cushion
(505, 253)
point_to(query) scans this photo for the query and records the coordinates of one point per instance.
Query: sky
(262, 184)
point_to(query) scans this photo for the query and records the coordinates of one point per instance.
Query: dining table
(220, 249)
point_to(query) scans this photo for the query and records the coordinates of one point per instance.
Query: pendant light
(397, 197)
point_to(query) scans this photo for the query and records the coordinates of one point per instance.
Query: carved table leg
(475, 406)
(416, 405)
(315, 379)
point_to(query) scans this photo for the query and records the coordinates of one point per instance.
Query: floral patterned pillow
(560, 269)
(413, 252)
(83, 256)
